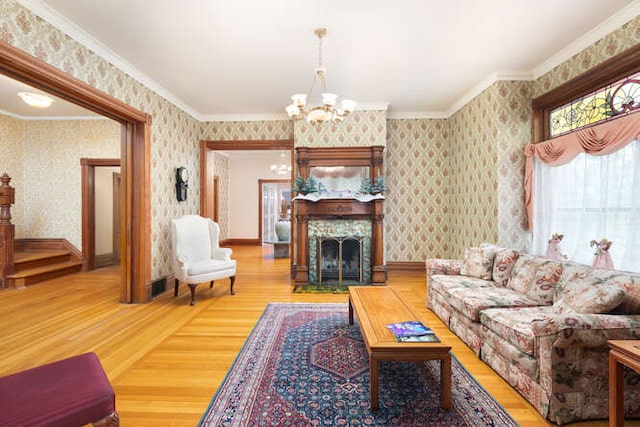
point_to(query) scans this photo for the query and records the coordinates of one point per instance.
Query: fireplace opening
(340, 260)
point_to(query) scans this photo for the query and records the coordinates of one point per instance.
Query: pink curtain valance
(596, 140)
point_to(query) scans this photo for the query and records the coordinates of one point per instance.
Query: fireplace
(340, 260)
(339, 229)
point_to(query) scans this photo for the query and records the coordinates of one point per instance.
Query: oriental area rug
(304, 365)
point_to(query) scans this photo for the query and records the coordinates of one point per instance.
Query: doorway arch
(135, 227)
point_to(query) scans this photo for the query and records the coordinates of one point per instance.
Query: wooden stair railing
(7, 229)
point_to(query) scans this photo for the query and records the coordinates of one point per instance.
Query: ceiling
(242, 59)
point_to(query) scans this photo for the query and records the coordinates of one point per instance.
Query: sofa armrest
(590, 330)
(443, 266)
(572, 352)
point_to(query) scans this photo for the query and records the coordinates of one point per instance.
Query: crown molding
(408, 115)
(50, 118)
(62, 23)
(603, 29)
(368, 106)
(243, 117)
(505, 75)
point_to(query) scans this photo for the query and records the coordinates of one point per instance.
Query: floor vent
(158, 287)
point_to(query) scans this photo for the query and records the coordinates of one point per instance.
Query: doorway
(135, 204)
(275, 196)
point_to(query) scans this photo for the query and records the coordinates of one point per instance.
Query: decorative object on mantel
(283, 168)
(602, 257)
(553, 250)
(375, 186)
(326, 110)
(305, 186)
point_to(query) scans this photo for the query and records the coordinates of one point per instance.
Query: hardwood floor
(166, 359)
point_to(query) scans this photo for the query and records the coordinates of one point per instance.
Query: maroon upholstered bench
(70, 392)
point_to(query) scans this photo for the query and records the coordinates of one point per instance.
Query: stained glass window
(618, 98)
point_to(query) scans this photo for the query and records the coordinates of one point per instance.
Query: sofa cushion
(208, 266)
(535, 277)
(589, 296)
(514, 325)
(440, 284)
(503, 264)
(627, 281)
(471, 301)
(478, 262)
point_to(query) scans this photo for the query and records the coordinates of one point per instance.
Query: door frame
(135, 152)
(207, 148)
(88, 173)
(261, 182)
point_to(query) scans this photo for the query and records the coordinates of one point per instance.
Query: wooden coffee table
(621, 353)
(377, 306)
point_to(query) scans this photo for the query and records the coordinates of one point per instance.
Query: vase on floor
(283, 230)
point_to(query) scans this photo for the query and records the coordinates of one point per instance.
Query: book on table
(412, 331)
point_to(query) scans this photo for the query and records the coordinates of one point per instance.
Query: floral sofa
(541, 324)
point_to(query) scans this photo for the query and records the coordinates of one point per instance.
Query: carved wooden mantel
(342, 208)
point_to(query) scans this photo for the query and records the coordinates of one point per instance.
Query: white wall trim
(36, 118)
(63, 24)
(605, 28)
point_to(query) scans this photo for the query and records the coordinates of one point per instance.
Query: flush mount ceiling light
(36, 100)
(283, 168)
(324, 111)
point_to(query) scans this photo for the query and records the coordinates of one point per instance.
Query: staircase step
(27, 260)
(40, 274)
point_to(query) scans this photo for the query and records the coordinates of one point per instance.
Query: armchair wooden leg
(112, 420)
(192, 288)
(175, 290)
(233, 279)
(211, 285)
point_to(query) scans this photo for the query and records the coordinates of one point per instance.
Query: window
(582, 174)
(619, 98)
(590, 198)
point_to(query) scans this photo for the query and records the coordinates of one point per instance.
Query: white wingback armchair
(197, 257)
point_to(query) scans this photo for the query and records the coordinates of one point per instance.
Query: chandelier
(283, 168)
(325, 111)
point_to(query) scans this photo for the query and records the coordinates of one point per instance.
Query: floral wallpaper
(359, 129)
(12, 136)
(416, 207)
(452, 182)
(612, 44)
(221, 170)
(41, 191)
(247, 131)
(174, 133)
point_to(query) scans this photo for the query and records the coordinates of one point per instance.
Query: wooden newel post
(7, 198)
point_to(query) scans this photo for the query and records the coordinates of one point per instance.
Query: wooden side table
(621, 354)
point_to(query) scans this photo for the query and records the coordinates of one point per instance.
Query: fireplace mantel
(339, 208)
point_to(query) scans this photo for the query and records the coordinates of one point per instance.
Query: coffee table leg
(350, 311)
(445, 381)
(373, 382)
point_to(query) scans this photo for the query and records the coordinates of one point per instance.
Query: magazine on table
(412, 331)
